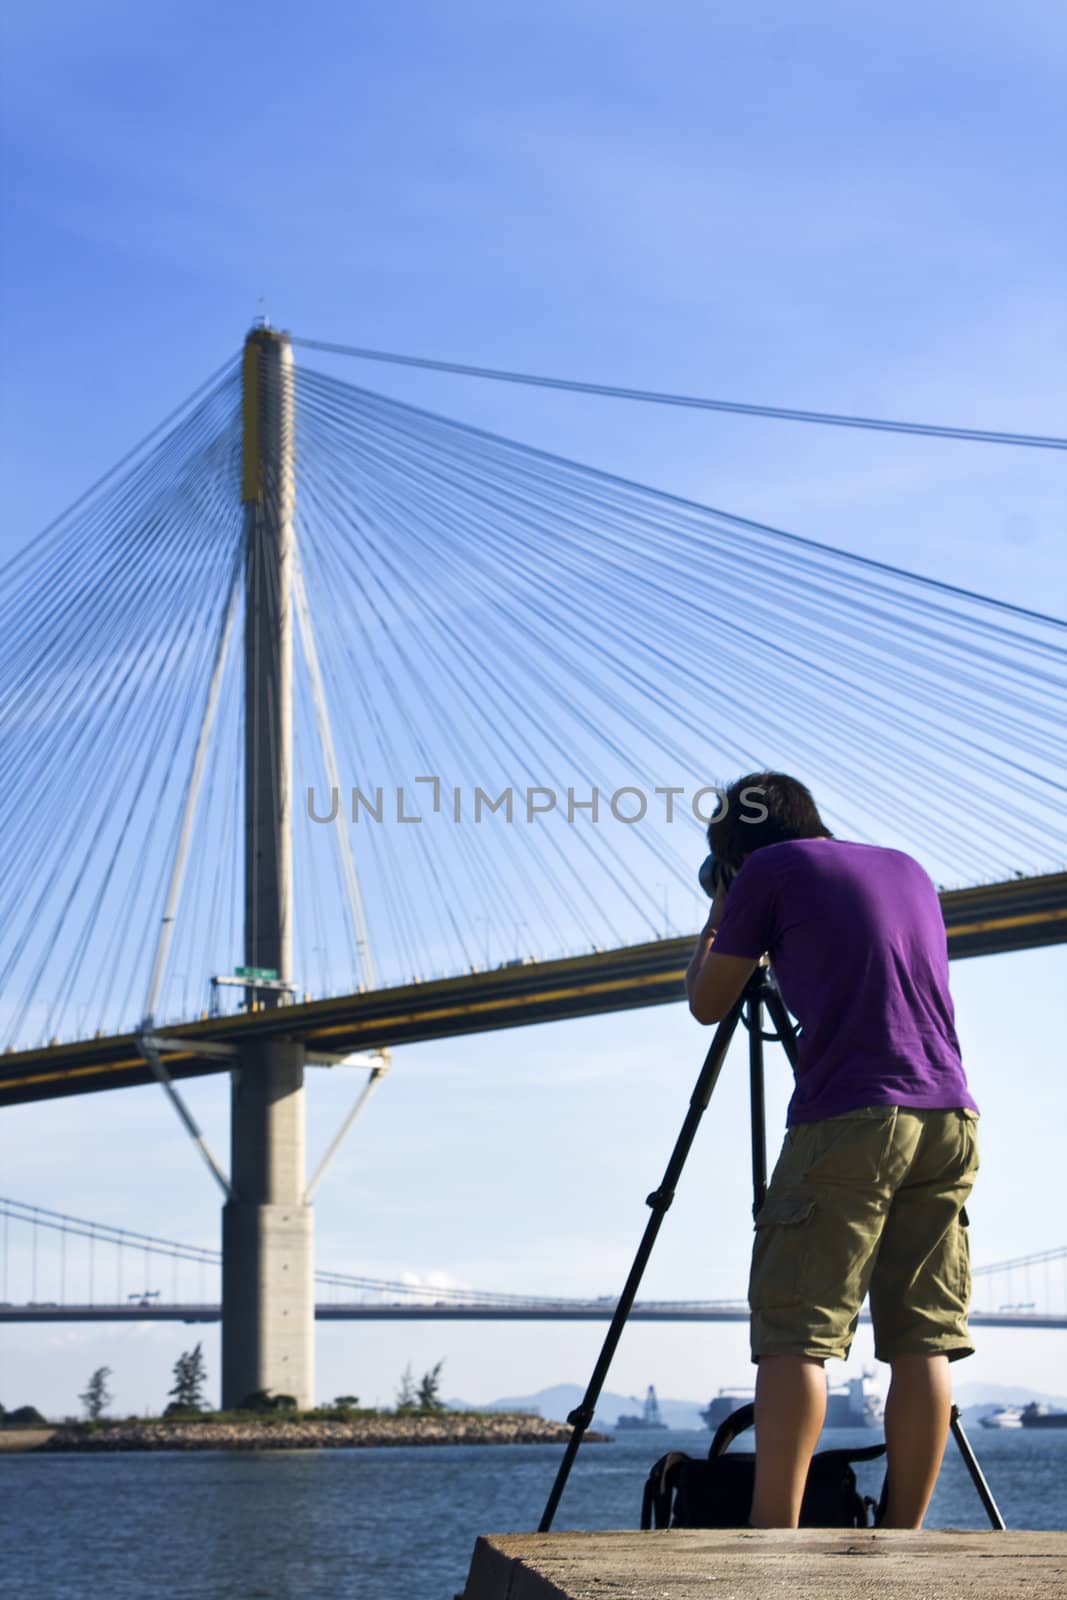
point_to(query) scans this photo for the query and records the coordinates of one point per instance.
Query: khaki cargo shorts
(871, 1201)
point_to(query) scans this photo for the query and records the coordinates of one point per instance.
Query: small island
(269, 1421)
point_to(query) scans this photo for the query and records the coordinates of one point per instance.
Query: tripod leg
(758, 1118)
(970, 1461)
(659, 1201)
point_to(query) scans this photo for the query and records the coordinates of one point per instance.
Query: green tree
(346, 1402)
(24, 1417)
(407, 1395)
(429, 1392)
(190, 1376)
(97, 1396)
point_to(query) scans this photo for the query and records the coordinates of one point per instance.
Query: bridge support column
(268, 1305)
(267, 1234)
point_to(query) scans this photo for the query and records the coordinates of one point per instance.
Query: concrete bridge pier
(268, 1301)
(268, 1304)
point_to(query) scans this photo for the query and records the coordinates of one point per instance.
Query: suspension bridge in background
(332, 724)
(74, 1270)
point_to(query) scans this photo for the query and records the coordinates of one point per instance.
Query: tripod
(759, 994)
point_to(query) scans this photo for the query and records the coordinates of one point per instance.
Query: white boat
(1003, 1417)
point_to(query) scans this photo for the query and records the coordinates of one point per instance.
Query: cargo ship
(1039, 1415)
(855, 1404)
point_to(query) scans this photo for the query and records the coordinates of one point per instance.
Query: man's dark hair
(760, 809)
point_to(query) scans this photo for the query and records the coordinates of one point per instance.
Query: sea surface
(383, 1524)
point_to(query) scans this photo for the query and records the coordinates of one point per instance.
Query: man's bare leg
(918, 1410)
(790, 1409)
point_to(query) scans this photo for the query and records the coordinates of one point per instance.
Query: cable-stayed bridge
(332, 724)
(59, 1268)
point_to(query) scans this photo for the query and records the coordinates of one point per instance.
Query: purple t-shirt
(857, 943)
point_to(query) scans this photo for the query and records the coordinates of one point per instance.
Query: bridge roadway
(1020, 914)
(536, 1311)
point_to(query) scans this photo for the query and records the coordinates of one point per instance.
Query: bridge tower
(267, 1226)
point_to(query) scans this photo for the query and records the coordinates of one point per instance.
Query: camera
(715, 874)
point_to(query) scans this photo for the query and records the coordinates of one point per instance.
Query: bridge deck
(339, 1311)
(1019, 914)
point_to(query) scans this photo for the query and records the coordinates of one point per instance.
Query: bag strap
(745, 1416)
(728, 1430)
(646, 1502)
(850, 1453)
(659, 1486)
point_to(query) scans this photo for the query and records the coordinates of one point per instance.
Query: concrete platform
(745, 1564)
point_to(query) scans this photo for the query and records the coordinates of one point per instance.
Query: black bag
(685, 1492)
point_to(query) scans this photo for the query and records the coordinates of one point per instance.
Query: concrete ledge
(745, 1564)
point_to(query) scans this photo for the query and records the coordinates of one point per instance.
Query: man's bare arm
(714, 982)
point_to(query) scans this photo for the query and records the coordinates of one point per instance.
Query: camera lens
(712, 874)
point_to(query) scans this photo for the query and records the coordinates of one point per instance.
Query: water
(390, 1524)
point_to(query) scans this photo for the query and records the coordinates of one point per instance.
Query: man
(881, 1148)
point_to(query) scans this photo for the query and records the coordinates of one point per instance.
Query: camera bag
(683, 1491)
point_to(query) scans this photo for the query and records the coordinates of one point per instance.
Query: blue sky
(859, 210)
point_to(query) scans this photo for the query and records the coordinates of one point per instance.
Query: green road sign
(263, 974)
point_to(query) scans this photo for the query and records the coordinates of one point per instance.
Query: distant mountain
(977, 1400)
(555, 1402)
(973, 1399)
(987, 1395)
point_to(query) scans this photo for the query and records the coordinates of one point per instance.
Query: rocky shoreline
(277, 1434)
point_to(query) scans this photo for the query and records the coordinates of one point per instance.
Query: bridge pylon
(268, 1303)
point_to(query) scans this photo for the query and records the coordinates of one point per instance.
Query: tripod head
(761, 987)
(760, 980)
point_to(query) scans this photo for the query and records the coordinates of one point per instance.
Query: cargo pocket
(963, 1258)
(779, 1257)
